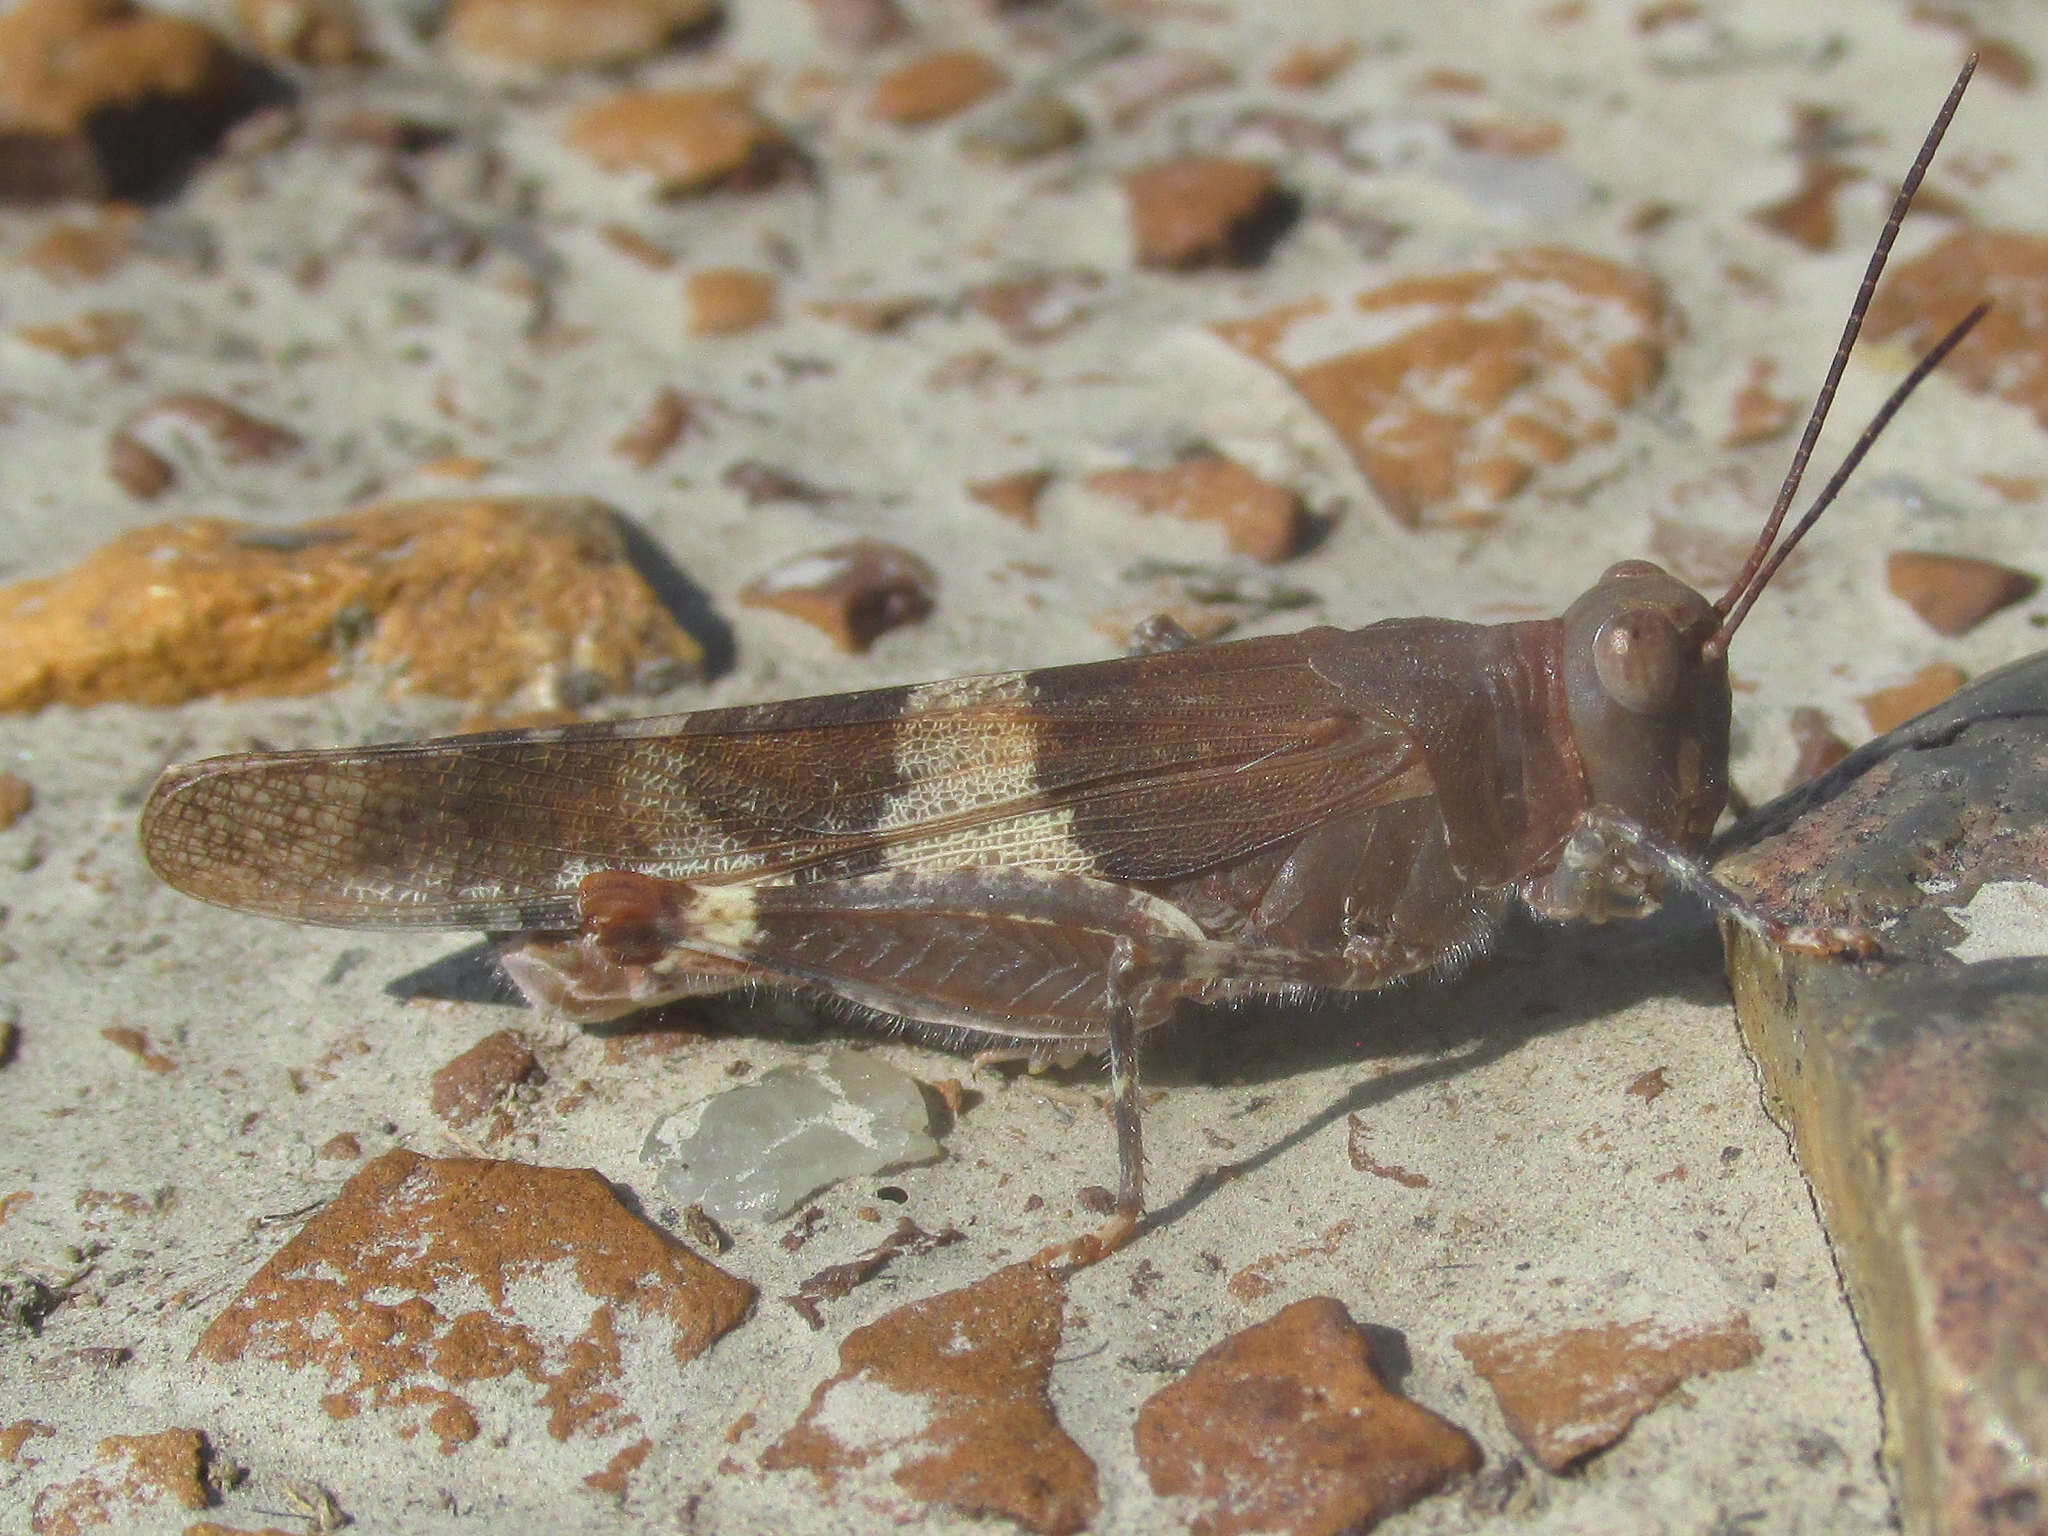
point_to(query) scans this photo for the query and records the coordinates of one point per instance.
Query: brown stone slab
(1916, 1087)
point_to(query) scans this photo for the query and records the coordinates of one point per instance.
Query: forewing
(1136, 769)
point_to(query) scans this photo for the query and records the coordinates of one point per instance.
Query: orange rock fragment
(935, 87)
(72, 71)
(689, 140)
(1567, 1395)
(854, 592)
(321, 34)
(1955, 593)
(76, 253)
(137, 1044)
(1287, 1426)
(1450, 390)
(948, 1397)
(2016, 488)
(2007, 354)
(659, 428)
(1818, 745)
(228, 432)
(138, 469)
(1756, 415)
(1807, 214)
(1513, 138)
(1202, 211)
(1894, 706)
(724, 301)
(14, 1437)
(93, 333)
(1014, 496)
(859, 25)
(342, 1147)
(873, 317)
(1039, 307)
(17, 799)
(1258, 518)
(1311, 66)
(1034, 124)
(136, 1472)
(474, 1083)
(426, 1277)
(617, 1474)
(478, 598)
(573, 34)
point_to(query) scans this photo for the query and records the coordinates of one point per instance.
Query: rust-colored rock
(1755, 415)
(426, 1281)
(935, 87)
(83, 253)
(1818, 745)
(1311, 66)
(859, 25)
(481, 598)
(477, 1081)
(1288, 1427)
(1031, 125)
(17, 1437)
(1258, 518)
(1894, 706)
(1451, 390)
(2007, 354)
(1514, 138)
(137, 1044)
(616, 1476)
(341, 1147)
(1014, 496)
(948, 1397)
(855, 593)
(1807, 214)
(103, 99)
(88, 334)
(136, 1472)
(1567, 1395)
(17, 799)
(1955, 593)
(573, 34)
(724, 301)
(659, 428)
(1039, 307)
(320, 34)
(1204, 211)
(189, 424)
(688, 140)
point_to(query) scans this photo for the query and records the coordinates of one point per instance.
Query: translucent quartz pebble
(761, 1150)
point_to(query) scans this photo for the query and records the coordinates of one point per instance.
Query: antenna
(1763, 562)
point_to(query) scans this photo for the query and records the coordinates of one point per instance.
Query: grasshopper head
(1648, 697)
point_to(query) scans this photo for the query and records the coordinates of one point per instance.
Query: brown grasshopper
(1060, 855)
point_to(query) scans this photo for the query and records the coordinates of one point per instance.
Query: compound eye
(1629, 569)
(1638, 657)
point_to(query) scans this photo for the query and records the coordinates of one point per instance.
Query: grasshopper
(1060, 856)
